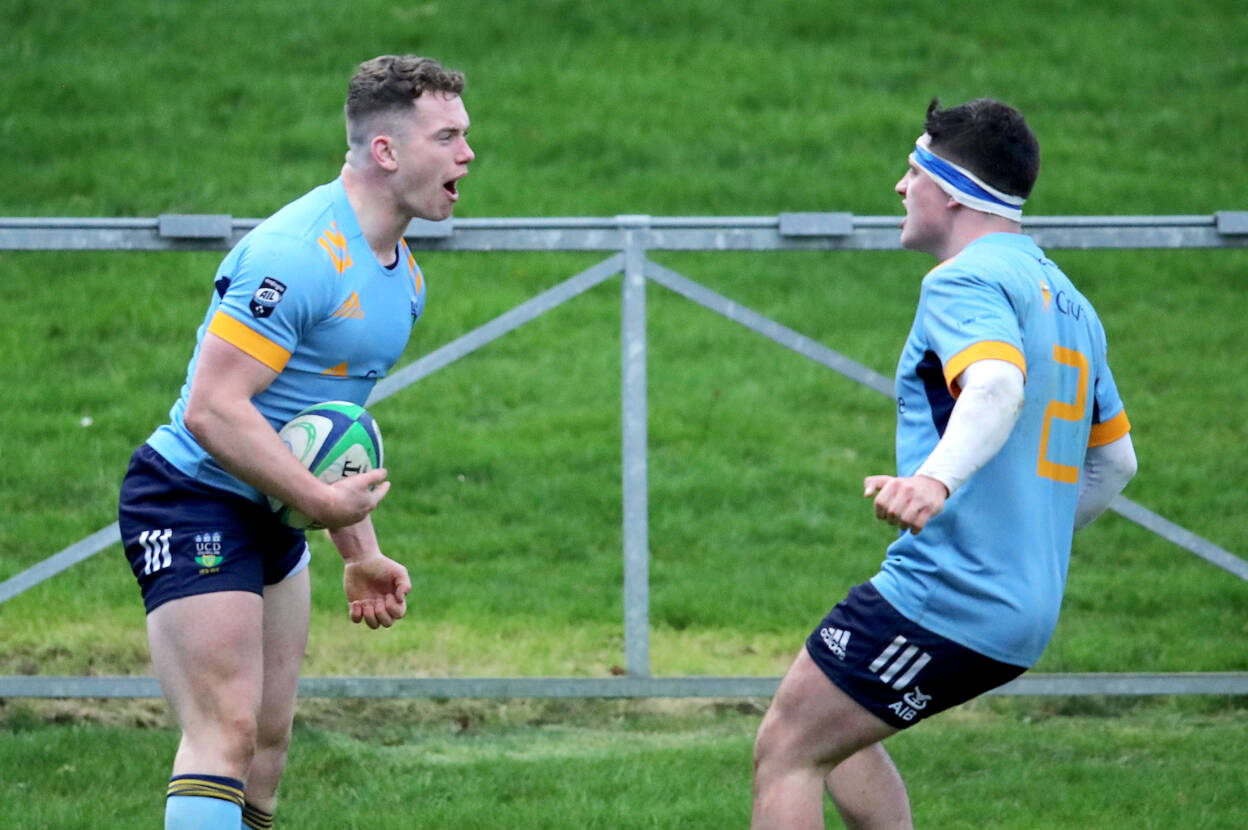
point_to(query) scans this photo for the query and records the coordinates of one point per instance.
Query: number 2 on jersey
(1066, 412)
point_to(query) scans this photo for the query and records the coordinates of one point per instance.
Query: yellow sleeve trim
(252, 342)
(984, 350)
(1109, 431)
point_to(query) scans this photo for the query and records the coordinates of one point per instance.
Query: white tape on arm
(1106, 470)
(981, 421)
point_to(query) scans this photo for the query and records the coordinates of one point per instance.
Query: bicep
(224, 372)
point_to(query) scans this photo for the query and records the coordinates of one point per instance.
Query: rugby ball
(334, 440)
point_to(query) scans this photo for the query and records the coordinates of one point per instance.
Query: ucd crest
(208, 550)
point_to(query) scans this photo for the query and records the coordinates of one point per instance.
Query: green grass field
(506, 498)
(619, 765)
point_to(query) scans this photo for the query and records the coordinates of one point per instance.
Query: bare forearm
(240, 439)
(356, 542)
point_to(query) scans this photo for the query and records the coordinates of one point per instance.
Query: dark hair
(388, 85)
(990, 139)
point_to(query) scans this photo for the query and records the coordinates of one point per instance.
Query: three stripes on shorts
(910, 661)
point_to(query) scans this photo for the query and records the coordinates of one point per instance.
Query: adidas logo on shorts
(836, 639)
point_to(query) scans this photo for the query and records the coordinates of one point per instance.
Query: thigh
(286, 608)
(207, 650)
(813, 722)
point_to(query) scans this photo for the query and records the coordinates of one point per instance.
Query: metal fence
(628, 239)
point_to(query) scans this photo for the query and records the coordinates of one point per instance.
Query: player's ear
(382, 150)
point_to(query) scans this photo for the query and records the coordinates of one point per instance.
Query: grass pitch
(506, 466)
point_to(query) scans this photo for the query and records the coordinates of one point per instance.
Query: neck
(382, 224)
(971, 225)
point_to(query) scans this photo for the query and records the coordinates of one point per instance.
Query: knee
(238, 734)
(273, 737)
(769, 743)
(788, 741)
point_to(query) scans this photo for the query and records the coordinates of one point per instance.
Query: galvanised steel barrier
(629, 237)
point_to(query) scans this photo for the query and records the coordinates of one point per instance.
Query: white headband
(963, 186)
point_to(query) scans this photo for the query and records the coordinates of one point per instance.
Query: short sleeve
(1109, 416)
(270, 294)
(967, 318)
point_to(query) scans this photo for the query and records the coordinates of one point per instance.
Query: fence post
(635, 482)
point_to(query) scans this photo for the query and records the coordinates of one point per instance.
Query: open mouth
(451, 189)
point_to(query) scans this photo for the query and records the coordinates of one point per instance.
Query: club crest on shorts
(208, 552)
(266, 298)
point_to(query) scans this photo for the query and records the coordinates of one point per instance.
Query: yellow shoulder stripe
(250, 341)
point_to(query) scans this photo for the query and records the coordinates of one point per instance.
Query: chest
(366, 324)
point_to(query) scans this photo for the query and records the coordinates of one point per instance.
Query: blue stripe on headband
(961, 181)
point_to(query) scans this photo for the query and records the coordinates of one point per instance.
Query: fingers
(356, 497)
(376, 588)
(379, 492)
(873, 484)
(383, 609)
(381, 612)
(396, 607)
(372, 483)
(371, 478)
(914, 518)
(902, 503)
(403, 587)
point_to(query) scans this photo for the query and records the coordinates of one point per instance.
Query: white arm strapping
(1106, 470)
(981, 421)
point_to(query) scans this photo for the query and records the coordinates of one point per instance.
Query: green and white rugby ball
(334, 440)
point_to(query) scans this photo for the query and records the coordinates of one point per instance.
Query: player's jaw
(431, 193)
(439, 197)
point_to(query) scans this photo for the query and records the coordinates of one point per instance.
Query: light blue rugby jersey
(305, 295)
(989, 571)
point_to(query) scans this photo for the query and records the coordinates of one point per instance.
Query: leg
(810, 728)
(868, 791)
(207, 652)
(286, 609)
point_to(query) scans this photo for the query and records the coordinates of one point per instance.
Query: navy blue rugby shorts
(899, 671)
(184, 538)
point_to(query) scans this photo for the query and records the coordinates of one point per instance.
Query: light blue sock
(199, 813)
(203, 802)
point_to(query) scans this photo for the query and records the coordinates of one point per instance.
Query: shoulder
(302, 216)
(1007, 265)
(301, 238)
(296, 226)
(968, 273)
(273, 251)
(991, 257)
(273, 272)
